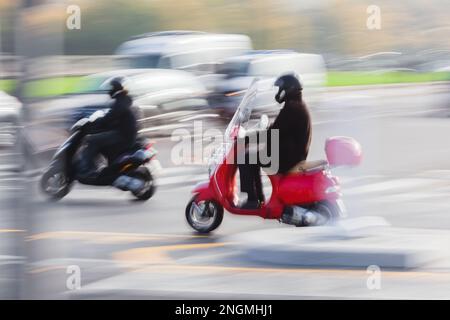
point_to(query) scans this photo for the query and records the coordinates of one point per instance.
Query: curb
(350, 243)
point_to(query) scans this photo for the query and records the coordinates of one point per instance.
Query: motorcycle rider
(294, 128)
(115, 132)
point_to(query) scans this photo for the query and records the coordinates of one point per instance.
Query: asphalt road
(128, 249)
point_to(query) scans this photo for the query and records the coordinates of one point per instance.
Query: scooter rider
(115, 132)
(294, 128)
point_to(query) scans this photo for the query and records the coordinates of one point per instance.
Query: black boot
(251, 205)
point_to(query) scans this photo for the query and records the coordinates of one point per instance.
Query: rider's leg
(246, 173)
(94, 144)
(249, 173)
(258, 184)
(86, 163)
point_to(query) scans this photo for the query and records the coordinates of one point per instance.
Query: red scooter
(308, 196)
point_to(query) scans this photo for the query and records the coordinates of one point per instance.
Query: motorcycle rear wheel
(204, 216)
(144, 174)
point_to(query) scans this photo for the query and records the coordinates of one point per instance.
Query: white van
(187, 50)
(238, 72)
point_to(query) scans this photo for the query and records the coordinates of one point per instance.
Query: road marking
(194, 169)
(181, 180)
(345, 180)
(93, 235)
(157, 255)
(415, 197)
(11, 230)
(389, 185)
(46, 269)
(350, 272)
(47, 265)
(443, 174)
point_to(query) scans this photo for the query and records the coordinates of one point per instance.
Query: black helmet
(113, 85)
(289, 86)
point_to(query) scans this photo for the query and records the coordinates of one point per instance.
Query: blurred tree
(332, 27)
(7, 13)
(106, 24)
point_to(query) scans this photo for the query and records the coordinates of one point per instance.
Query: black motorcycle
(58, 179)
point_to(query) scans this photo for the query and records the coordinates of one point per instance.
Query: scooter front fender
(203, 191)
(68, 148)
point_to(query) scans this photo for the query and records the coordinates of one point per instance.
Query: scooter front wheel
(55, 184)
(204, 216)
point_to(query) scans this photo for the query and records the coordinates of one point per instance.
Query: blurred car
(187, 50)
(238, 72)
(163, 99)
(10, 110)
(193, 51)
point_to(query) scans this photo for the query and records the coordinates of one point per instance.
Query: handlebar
(79, 125)
(84, 122)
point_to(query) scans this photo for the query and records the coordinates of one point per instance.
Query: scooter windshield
(243, 112)
(240, 119)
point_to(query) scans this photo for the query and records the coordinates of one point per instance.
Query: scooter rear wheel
(149, 189)
(204, 216)
(329, 211)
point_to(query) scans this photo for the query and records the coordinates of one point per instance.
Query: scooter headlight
(332, 189)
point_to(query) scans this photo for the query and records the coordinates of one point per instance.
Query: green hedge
(350, 78)
(63, 85)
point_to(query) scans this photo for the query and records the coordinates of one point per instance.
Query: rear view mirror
(242, 132)
(263, 122)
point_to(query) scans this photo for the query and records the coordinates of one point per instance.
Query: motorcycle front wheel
(204, 216)
(55, 184)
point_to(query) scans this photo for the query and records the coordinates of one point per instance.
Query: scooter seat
(122, 158)
(308, 166)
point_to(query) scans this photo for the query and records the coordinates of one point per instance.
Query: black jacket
(294, 125)
(121, 118)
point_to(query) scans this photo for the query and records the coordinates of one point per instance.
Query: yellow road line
(336, 272)
(157, 255)
(46, 269)
(89, 235)
(11, 230)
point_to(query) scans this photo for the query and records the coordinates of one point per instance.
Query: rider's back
(294, 125)
(121, 118)
(127, 122)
